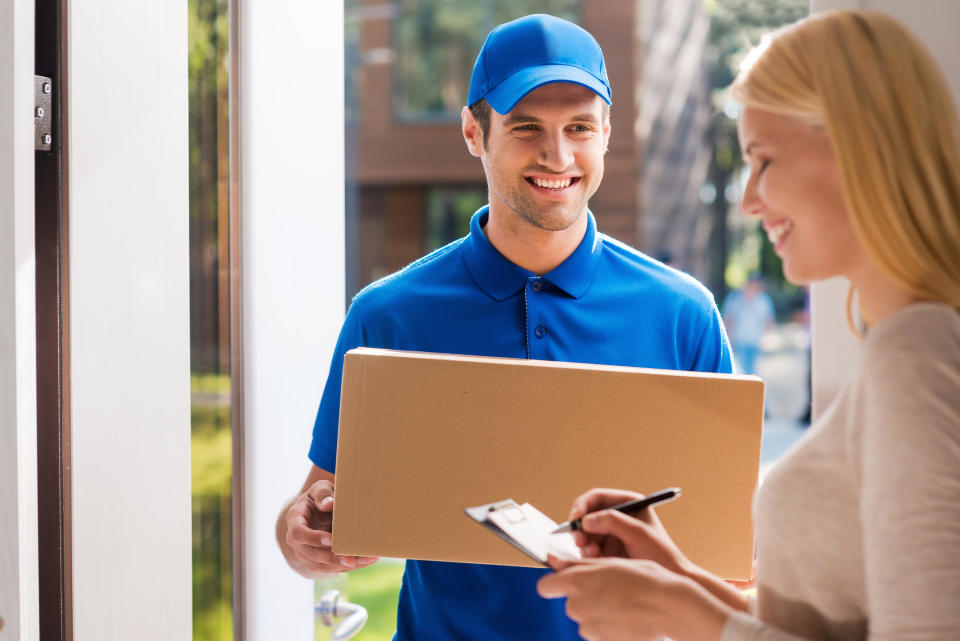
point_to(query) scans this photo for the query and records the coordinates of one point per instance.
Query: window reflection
(210, 385)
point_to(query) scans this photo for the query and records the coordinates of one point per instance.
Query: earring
(850, 320)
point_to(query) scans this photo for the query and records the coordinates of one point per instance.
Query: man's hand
(304, 531)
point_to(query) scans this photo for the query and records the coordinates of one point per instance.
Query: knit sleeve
(909, 472)
(745, 627)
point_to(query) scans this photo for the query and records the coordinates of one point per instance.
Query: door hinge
(42, 113)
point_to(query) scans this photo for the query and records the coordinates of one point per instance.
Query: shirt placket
(536, 333)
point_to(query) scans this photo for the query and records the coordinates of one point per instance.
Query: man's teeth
(552, 184)
(778, 231)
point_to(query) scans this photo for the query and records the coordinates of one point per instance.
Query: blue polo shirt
(606, 303)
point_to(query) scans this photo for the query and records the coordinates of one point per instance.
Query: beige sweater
(858, 526)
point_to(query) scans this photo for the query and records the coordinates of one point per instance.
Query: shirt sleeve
(910, 487)
(323, 448)
(746, 627)
(713, 351)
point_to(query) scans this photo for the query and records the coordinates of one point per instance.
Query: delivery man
(532, 279)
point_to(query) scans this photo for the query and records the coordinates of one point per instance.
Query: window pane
(211, 442)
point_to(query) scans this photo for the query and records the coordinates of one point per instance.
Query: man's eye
(763, 165)
(525, 128)
(580, 128)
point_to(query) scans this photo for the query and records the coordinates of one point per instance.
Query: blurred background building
(672, 173)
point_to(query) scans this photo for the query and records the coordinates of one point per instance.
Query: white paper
(532, 529)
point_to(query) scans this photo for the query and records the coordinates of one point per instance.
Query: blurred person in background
(853, 141)
(747, 315)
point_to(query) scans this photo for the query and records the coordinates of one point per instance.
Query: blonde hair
(891, 120)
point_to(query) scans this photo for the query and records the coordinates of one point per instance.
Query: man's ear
(606, 135)
(472, 133)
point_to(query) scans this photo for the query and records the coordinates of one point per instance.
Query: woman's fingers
(599, 499)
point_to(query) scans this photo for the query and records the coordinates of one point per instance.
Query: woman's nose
(750, 202)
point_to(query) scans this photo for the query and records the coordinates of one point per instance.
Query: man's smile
(552, 184)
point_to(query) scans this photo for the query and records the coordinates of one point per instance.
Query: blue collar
(501, 279)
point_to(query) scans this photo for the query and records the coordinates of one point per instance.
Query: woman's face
(795, 189)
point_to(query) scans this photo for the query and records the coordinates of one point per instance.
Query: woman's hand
(615, 599)
(610, 533)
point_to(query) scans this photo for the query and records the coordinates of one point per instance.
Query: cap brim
(508, 93)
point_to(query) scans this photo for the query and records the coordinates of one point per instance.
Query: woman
(854, 148)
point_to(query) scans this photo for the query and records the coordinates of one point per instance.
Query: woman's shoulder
(920, 334)
(910, 372)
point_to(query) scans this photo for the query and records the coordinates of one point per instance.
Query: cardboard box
(422, 436)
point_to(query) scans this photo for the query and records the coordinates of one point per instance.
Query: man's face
(543, 159)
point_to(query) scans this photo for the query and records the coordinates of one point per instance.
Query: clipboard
(526, 528)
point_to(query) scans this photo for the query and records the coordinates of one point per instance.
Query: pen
(629, 507)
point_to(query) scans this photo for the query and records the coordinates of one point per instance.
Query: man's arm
(303, 529)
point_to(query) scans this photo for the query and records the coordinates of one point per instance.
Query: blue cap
(533, 51)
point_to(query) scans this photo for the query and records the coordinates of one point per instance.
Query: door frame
(19, 614)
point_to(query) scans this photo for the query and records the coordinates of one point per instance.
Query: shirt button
(536, 286)
(540, 331)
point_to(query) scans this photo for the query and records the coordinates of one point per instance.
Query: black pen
(627, 508)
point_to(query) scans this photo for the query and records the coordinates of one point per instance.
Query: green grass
(377, 588)
(211, 461)
(210, 383)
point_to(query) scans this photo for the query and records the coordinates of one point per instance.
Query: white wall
(129, 315)
(834, 348)
(292, 190)
(18, 402)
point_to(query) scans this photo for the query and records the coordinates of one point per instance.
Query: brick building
(411, 182)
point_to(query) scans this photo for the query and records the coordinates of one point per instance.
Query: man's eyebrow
(584, 117)
(515, 119)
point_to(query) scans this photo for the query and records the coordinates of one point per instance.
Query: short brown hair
(481, 113)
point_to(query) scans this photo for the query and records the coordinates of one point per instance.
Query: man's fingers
(314, 556)
(319, 559)
(320, 491)
(300, 534)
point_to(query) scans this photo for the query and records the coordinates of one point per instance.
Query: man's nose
(556, 153)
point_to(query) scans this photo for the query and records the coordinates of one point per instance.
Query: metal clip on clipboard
(526, 528)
